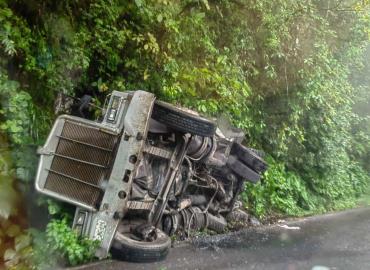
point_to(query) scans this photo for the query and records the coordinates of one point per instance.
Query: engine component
(199, 147)
(216, 223)
(193, 219)
(198, 199)
(160, 202)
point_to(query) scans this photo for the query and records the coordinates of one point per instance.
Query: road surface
(339, 241)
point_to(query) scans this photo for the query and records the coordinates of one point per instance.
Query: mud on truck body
(147, 171)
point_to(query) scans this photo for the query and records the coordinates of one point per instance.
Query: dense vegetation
(290, 73)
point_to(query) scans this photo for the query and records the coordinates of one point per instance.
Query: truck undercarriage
(147, 171)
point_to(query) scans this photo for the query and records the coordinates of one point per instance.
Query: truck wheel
(181, 120)
(242, 170)
(249, 157)
(125, 247)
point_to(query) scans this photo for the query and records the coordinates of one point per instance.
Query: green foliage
(285, 193)
(60, 246)
(64, 242)
(8, 196)
(24, 122)
(14, 240)
(280, 192)
(291, 74)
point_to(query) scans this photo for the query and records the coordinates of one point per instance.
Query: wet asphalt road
(338, 241)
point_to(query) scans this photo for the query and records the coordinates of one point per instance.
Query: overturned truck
(146, 171)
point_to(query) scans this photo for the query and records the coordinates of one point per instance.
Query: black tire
(249, 157)
(127, 249)
(182, 120)
(242, 170)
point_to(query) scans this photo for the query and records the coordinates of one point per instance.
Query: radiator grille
(82, 160)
